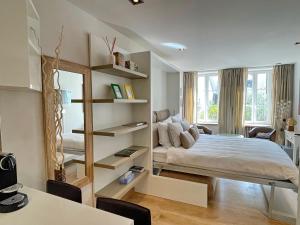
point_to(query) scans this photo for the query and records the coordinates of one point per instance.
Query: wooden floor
(235, 203)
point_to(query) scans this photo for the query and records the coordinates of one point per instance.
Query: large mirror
(67, 109)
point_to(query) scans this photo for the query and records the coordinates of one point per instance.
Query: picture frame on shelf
(129, 91)
(117, 91)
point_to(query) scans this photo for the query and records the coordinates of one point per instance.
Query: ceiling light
(297, 43)
(136, 2)
(177, 46)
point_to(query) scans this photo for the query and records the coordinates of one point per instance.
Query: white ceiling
(217, 33)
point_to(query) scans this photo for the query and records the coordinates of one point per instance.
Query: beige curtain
(282, 90)
(231, 103)
(189, 80)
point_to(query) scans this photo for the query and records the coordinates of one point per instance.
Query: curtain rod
(250, 67)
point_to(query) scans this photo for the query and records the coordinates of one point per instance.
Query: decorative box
(120, 59)
(131, 65)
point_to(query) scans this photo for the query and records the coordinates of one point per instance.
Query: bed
(255, 158)
(244, 159)
(73, 143)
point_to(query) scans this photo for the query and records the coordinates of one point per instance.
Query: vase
(111, 59)
(60, 175)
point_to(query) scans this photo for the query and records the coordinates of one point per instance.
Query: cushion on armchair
(263, 135)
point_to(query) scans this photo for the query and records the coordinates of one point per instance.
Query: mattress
(73, 143)
(254, 157)
(160, 154)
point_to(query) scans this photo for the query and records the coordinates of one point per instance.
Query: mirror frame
(64, 65)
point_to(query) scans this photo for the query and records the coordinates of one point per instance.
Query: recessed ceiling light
(177, 46)
(136, 2)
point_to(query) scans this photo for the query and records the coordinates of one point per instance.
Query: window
(207, 97)
(258, 97)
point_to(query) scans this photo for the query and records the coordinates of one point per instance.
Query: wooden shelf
(78, 131)
(112, 162)
(77, 101)
(120, 130)
(119, 71)
(117, 190)
(132, 101)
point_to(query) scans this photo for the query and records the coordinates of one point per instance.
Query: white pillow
(163, 135)
(185, 125)
(169, 120)
(177, 118)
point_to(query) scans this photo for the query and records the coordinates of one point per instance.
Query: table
(293, 138)
(46, 209)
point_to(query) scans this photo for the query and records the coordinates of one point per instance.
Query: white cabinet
(20, 56)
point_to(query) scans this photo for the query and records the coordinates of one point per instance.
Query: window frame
(206, 76)
(254, 73)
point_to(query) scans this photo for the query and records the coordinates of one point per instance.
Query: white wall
(21, 112)
(173, 92)
(22, 134)
(160, 94)
(166, 86)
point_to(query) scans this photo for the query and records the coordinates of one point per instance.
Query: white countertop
(46, 209)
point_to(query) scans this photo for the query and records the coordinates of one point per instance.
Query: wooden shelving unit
(114, 131)
(122, 101)
(119, 71)
(112, 100)
(120, 130)
(112, 162)
(117, 190)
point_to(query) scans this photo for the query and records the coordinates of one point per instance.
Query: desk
(291, 137)
(46, 209)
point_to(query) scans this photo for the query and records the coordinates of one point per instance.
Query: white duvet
(254, 157)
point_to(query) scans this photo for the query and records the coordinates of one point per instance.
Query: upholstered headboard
(158, 116)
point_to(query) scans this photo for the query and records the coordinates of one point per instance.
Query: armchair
(204, 129)
(263, 133)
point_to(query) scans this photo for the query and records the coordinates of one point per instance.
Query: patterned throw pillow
(194, 132)
(186, 139)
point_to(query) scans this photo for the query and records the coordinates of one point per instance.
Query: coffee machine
(10, 199)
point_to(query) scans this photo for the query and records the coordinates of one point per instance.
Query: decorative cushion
(263, 135)
(174, 130)
(163, 135)
(162, 115)
(185, 125)
(186, 139)
(155, 139)
(194, 132)
(177, 118)
(168, 120)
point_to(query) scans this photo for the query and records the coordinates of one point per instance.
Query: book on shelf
(127, 152)
(137, 169)
(136, 124)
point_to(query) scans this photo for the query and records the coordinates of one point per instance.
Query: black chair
(139, 214)
(64, 190)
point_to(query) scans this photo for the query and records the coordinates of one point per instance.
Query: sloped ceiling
(217, 33)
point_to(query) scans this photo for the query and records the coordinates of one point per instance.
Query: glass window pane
(212, 107)
(248, 113)
(261, 81)
(261, 105)
(213, 83)
(250, 81)
(201, 99)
